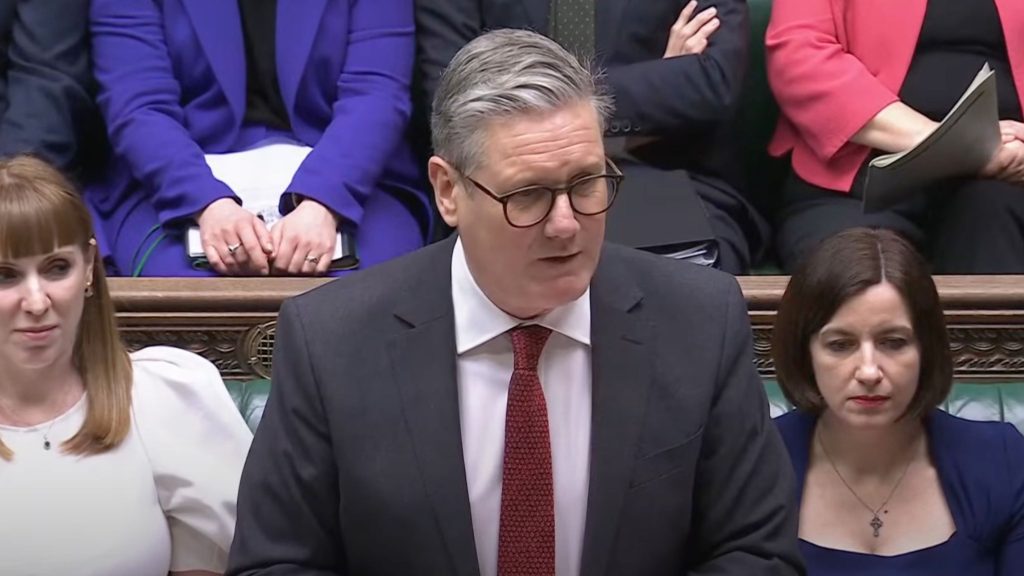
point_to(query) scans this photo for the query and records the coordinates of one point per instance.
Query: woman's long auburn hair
(41, 211)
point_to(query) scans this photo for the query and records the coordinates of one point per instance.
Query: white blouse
(162, 500)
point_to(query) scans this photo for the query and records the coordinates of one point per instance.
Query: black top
(263, 102)
(957, 38)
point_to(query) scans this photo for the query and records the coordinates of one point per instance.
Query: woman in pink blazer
(858, 78)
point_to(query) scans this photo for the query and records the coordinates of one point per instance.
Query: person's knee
(981, 230)
(988, 207)
(795, 239)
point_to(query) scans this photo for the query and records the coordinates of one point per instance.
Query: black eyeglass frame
(614, 178)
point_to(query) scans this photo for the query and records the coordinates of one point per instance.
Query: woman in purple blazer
(180, 79)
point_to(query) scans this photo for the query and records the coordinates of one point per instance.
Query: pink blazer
(834, 64)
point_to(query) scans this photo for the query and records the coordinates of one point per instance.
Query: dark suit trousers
(964, 227)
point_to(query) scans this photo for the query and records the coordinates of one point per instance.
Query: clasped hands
(1007, 163)
(238, 243)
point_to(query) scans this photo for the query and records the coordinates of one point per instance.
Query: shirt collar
(478, 320)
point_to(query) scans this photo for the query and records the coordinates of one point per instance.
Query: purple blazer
(172, 81)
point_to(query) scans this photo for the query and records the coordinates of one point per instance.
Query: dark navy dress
(981, 468)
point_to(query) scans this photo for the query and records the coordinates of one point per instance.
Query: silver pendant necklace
(46, 435)
(876, 522)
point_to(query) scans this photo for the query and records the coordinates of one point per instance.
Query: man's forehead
(547, 147)
(554, 122)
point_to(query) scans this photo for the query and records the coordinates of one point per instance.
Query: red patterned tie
(526, 534)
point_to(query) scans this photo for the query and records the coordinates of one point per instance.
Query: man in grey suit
(522, 399)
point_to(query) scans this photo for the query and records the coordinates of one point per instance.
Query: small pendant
(46, 444)
(877, 524)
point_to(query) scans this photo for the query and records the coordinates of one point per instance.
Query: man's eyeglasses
(589, 196)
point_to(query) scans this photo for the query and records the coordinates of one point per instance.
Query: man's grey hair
(501, 74)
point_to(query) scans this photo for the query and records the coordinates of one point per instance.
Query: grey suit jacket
(357, 465)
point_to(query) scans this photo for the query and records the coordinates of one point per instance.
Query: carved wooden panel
(988, 351)
(258, 348)
(218, 345)
(763, 351)
(231, 321)
(232, 342)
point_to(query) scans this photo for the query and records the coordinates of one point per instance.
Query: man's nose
(561, 222)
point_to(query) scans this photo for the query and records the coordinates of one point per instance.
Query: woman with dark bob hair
(111, 464)
(888, 483)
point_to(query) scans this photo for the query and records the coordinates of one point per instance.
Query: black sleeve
(687, 94)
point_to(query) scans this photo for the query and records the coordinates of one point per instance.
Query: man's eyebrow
(594, 170)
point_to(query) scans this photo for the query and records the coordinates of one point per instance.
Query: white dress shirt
(484, 369)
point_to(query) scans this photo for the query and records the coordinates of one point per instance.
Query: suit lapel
(621, 376)
(297, 24)
(423, 362)
(218, 25)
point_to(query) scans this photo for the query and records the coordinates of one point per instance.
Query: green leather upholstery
(250, 397)
(1003, 401)
(994, 401)
(757, 115)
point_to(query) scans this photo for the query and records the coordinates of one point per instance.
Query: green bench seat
(1002, 402)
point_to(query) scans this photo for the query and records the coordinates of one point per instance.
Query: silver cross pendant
(877, 524)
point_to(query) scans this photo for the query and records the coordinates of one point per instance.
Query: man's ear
(445, 181)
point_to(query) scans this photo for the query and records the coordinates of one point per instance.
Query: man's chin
(566, 289)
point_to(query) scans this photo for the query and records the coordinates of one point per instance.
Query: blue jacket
(172, 78)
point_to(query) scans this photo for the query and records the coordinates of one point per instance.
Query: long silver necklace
(876, 522)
